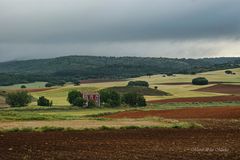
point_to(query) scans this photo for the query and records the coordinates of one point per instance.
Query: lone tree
(75, 98)
(18, 99)
(134, 100)
(42, 101)
(138, 83)
(200, 81)
(110, 97)
(23, 86)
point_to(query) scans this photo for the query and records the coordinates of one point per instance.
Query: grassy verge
(181, 125)
(74, 113)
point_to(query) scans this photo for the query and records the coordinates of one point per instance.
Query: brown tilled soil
(188, 113)
(144, 144)
(222, 88)
(231, 98)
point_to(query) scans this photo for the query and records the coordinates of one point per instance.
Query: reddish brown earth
(222, 88)
(98, 81)
(230, 98)
(144, 144)
(189, 83)
(188, 113)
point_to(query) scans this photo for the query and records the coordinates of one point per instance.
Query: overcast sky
(157, 28)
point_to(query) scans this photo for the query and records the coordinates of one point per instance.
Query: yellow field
(59, 95)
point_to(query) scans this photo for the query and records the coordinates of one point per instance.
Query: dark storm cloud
(59, 27)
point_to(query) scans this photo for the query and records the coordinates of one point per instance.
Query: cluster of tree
(18, 99)
(72, 68)
(200, 81)
(113, 99)
(134, 99)
(138, 83)
(23, 98)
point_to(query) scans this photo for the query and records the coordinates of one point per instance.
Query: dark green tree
(73, 95)
(109, 97)
(200, 81)
(134, 99)
(42, 101)
(23, 86)
(18, 99)
(138, 83)
(79, 102)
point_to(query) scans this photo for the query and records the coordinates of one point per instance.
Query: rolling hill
(72, 68)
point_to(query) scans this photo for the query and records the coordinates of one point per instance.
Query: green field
(64, 116)
(59, 94)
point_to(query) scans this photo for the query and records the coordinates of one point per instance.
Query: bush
(42, 101)
(138, 83)
(76, 83)
(18, 99)
(91, 103)
(79, 101)
(228, 72)
(49, 84)
(109, 97)
(23, 86)
(134, 99)
(200, 81)
(73, 95)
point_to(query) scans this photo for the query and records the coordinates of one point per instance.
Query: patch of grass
(168, 106)
(182, 125)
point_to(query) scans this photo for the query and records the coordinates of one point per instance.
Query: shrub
(91, 103)
(200, 81)
(42, 101)
(134, 99)
(79, 101)
(76, 83)
(23, 86)
(138, 83)
(109, 97)
(49, 84)
(18, 99)
(228, 72)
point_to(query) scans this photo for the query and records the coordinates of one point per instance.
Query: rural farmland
(119, 80)
(177, 112)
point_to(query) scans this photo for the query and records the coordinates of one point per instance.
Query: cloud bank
(158, 28)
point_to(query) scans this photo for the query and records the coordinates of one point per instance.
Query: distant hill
(72, 68)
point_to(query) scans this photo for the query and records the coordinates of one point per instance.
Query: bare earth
(222, 88)
(150, 144)
(186, 113)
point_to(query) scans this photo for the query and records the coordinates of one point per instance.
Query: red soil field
(143, 144)
(189, 83)
(222, 88)
(230, 98)
(188, 113)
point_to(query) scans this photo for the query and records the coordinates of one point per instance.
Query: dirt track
(188, 113)
(152, 144)
(222, 88)
(199, 99)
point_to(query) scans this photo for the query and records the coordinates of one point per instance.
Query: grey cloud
(32, 27)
